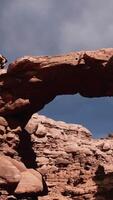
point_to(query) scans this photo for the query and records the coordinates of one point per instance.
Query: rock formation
(74, 165)
(32, 82)
(16, 180)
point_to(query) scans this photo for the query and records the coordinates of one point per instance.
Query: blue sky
(50, 27)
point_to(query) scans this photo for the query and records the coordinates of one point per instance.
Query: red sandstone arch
(31, 82)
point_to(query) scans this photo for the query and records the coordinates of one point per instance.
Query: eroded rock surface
(16, 180)
(73, 164)
(76, 166)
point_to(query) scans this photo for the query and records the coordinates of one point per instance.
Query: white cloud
(92, 30)
(47, 26)
(24, 26)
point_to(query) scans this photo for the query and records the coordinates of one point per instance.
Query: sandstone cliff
(73, 164)
(52, 160)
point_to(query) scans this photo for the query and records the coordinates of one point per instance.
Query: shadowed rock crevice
(25, 151)
(104, 184)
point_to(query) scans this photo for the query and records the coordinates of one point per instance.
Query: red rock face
(75, 166)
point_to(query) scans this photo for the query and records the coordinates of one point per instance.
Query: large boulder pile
(16, 180)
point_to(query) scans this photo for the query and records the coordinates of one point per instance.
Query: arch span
(31, 82)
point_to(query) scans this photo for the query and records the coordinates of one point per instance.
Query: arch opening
(93, 113)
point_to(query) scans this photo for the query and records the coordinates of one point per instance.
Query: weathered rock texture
(74, 165)
(16, 180)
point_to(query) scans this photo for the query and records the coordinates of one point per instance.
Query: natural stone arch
(31, 82)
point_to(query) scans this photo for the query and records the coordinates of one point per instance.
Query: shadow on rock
(25, 151)
(104, 184)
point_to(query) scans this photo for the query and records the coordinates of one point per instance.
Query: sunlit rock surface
(73, 164)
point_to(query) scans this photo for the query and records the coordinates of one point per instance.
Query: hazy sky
(49, 27)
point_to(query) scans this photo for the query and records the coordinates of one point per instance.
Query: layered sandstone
(74, 165)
